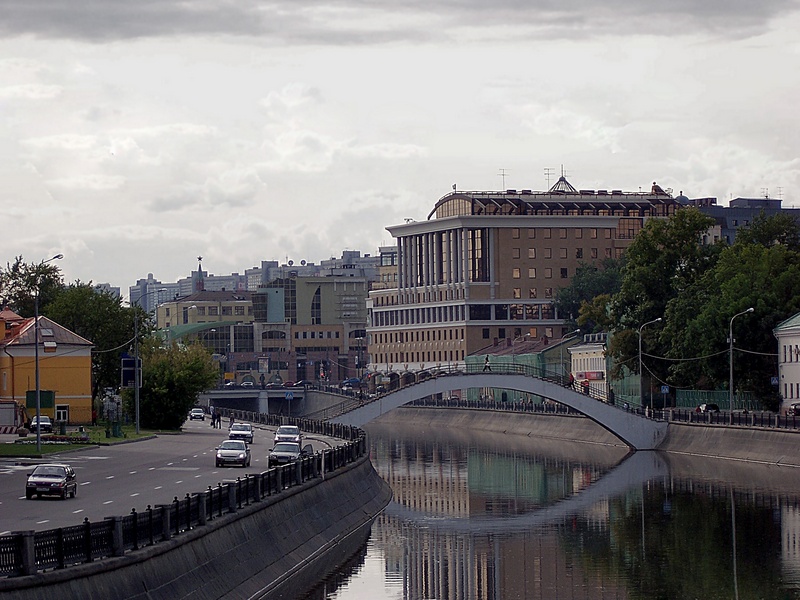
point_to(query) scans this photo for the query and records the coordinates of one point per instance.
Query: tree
(589, 281)
(780, 229)
(172, 377)
(18, 283)
(100, 317)
(664, 261)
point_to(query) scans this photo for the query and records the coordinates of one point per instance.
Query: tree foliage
(100, 317)
(589, 281)
(18, 285)
(172, 376)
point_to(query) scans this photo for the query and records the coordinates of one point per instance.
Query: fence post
(231, 497)
(87, 538)
(166, 530)
(117, 549)
(27, 552)
(201, 508)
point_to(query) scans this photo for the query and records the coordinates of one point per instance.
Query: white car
(288, 433)
(197, 413)
(241, 431)
(233, 452)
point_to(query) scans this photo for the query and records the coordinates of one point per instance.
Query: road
(114, 479)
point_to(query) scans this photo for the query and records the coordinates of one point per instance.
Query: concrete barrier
(285, 542)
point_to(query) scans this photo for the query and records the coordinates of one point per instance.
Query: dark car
(46, 424)
(286, 452)
(303, 383)
(233, 452)
(51, 480)
(707, 408)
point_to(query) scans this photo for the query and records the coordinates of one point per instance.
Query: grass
(93, 435)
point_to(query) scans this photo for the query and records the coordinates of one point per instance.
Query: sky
(137, 136)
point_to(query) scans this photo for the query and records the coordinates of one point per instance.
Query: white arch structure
(636, 431)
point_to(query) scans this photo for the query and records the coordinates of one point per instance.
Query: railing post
(27, 551)
(231, 497)
(166, 530)
(117, 548)
(87, 538)
(201, 508)
(135, 529)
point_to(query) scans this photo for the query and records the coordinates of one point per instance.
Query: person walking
(611, 396)
(486, 365)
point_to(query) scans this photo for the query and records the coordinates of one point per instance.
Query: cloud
(30, 92)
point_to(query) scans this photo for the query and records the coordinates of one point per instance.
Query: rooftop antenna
(765, 192)
(780, 193)
(503, 175)
(548, 173)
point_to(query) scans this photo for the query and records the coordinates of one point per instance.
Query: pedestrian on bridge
(486, 365)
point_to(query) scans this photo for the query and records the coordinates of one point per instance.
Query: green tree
(100, 317)
(780, 229)
(589, 281)
(172, 376)
(18, 283)
(664, 261)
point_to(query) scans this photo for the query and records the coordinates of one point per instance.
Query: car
(197, 413)
(233, 452)
(303, 383)
(46, 424)
(53, 479)
(248, 384)
(286, 452)
(288, 384)
(272, 385)
(351, 382)
(288, 433)
(241, 431)
(230, 384)
(707, 408)
(793, 410)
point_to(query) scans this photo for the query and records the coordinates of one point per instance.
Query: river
(487, 516)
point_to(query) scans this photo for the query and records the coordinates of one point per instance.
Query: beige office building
(485, 266)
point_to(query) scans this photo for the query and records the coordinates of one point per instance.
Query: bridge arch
(636, 431)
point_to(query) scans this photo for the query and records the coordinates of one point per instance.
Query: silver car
(51, 480)
(233, 452)
(288, 433)
(241, 431)
(286, 452)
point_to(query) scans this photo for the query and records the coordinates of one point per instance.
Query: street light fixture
(730, 351)
(36, 352)
(641, 373)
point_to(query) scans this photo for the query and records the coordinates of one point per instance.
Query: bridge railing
(28, 552)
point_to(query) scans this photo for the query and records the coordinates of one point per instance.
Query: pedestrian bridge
(635, 430)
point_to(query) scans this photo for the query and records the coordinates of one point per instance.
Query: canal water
(487, 516)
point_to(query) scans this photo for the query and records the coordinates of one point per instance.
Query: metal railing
(28, 552)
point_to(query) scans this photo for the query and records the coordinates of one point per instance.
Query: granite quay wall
(257, 537)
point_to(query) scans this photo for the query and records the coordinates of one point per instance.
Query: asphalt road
(114, 479)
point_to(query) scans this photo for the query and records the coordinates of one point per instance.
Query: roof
(791, 322)
(214, 296)
(49, 330)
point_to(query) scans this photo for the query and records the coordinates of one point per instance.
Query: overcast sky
(136, 136)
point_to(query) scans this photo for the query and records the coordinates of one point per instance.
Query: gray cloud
(354, 22)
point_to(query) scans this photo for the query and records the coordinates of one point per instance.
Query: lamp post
(137, 370)
(563, 339)
(641, 372)
(730, 374)
(36, 353)
(358, 357)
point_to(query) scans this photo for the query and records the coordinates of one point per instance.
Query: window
(593, 233)
(594, 253)
(607, 252)
(531, 233)
(578, 252)
(485, 332)
(227, 310)
(578, 234)
(516, 293)
(564, 274)
(548, 273)
(562, 233)
(531, 252)
(548, 292)
(213, 311)
(546, 231)
(167, 312)
(532, 293)
(532, 273)
(515, 233)
(501, 333)
(562, 253)
(548, 253)
(238, 310)
(515, 253)
(515, 273)
(607, 234)
(201, 311)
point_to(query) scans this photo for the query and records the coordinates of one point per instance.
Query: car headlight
(241, 455)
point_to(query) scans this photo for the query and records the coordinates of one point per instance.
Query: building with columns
(485, 267)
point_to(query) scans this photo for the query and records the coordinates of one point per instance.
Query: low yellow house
(65, 369)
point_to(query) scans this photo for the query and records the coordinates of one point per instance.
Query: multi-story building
(485, 266)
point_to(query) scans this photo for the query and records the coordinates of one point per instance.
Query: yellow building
(65, 369)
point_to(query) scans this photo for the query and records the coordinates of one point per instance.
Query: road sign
(665, 389)
(289, 396)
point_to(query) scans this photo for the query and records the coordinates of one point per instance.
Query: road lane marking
(177, 482)
(42, 522)
(108, 502)
(110, 477)
(5, 532)
(134, 495)
(75, 512)
(85, 482)
(132, 472)
(158, 487)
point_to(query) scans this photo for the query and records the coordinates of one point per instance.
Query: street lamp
(730, 340)
(564, 338)
(36, 352)
(137, 365)
(641, 373)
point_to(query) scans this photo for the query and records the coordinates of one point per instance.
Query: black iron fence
(28, 552)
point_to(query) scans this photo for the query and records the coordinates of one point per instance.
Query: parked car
(793, 410)
(303, 383)
(230, 384)
(286, 452)
(248, 384)
(51, 480)
(46, 424)
(241, 431)
(707, 408)
(197, 413)
(233, 452)
(288, 433)
(351, 382)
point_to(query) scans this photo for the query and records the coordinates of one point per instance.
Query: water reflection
(487, 516)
